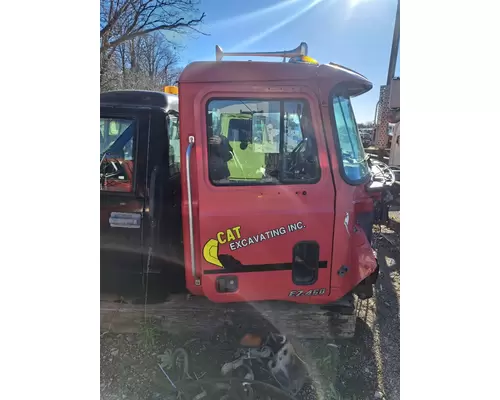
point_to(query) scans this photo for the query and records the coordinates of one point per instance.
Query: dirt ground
(366, 367)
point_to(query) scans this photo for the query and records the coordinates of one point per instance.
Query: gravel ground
(365, 368)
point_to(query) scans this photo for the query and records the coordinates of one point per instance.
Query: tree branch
(170, 27)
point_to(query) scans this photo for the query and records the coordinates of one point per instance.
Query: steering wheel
(294, 154)
(116, 168)
(299, 146)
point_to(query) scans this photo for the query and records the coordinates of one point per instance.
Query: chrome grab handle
(190, 209)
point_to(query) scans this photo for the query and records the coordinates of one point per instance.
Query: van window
(117, 154)
(111, 130)
(354, 164)
(254, 142)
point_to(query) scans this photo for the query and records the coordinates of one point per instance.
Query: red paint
(258, 209)
(121, 185)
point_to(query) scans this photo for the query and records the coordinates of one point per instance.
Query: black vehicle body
(143, 216)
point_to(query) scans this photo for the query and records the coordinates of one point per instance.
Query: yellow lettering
(220, 237)
(230, 236)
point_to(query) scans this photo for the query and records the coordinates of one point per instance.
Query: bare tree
(157, 56)
(135, 53)
(111, 76)
(148, 62)
(124, 20)
(172, 76)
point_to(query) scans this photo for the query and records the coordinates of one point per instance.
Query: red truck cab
(292, 220)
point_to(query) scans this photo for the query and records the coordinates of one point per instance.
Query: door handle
(190, 209)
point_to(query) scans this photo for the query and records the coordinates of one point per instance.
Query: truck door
(263, 198)
(162, 216)
(123, 146)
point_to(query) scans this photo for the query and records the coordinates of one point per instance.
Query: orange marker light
(303, 60)
(309, 60)
(171, 90)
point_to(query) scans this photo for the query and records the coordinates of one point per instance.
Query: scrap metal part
(246, 355)
(288, 370)
(279, 355)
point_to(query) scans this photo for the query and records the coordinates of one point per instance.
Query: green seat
(248, 160)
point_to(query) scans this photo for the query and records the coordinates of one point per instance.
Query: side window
(117, 154)
(253, 142)
(354, 163)
(174, 143)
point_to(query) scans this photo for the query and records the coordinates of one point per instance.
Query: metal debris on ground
(168, 377)
(276, 356)
(178, 359)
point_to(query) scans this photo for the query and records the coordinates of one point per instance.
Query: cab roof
(140, 99)
(258, 71)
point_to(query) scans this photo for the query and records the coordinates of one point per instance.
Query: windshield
(354, 162)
